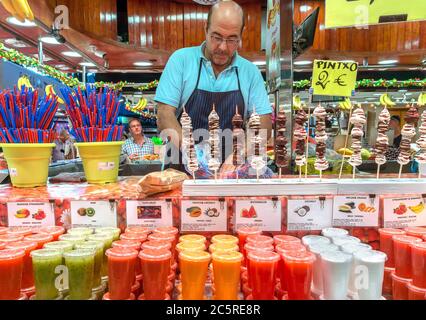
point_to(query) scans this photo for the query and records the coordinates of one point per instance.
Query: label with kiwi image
(93, 214)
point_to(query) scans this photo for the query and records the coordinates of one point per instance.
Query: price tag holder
(404, 212)
(264, 214)
(30, 214)
(309, 214)
(149, 214)
(356, 211)
(93, 214)
(204, 216)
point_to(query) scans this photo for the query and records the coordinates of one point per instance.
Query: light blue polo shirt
(179, 79)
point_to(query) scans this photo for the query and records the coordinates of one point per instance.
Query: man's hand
(166, 119)
(133, 156)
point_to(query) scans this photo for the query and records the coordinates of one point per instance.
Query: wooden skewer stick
(307, 143)
(353, 172)
(346, 143)
(400, 171)
(320, 175)
(280, 173)
(300, 173)
(378, 171)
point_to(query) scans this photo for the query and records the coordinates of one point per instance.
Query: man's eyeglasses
(231, 43)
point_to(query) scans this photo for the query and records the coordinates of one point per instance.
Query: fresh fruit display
(22, 213)
(401, 209)
(194, 212)
(20, 9)
(249, 213)
(418, 208)
(386, 101)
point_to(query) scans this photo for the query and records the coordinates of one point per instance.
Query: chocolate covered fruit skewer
(408, 132)
(321, 162)
(257, 161)
(214, 125)
(300, 137)
(382, 142)
(281, 142)
(358, 120)
(188, 147)
(237, 140)
(421, 142)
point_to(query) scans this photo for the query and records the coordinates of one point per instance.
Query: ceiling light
(305, 8)
(15, 43)
(92, 70)
(45, 58)
(259, 63)
(49, 40)
(71, 54)
(142, 64)
(303, 62)
(388, 61)
(87, 64)
(62, 67)
(13, 20)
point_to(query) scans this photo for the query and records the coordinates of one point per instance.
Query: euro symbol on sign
(340, 81)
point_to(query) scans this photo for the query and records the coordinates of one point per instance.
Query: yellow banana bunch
(24, 81)
(50, 91)
(20, 9)
(141, 104)
(421, 101)
(345, 105)
(386, 101)
(297, 102)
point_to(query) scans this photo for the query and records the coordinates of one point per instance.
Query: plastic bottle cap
(263, 256)
(391, 231)
(72, 237)
(190, 246)
(51, 229)
(138, 230)
(299, 256)
(223, 246)
(292, 247)
(20, 230)
(107, 229)
(354, 247)
(167, 230)
(79, 253)
(155, 254)
(197, 256)
(227, 256)
(260, 239)
(192, 238)
(161, 237)
(141, 237)
(334, 232)
(10, 237)
(90, 245)
(311, 239)
(39, 237)
(416, 231)
(283, 238)
(415, 289)
(370, 256)
(59, 245)
(336, 256)
(344, 239)
(81, 231)
(157, 245)
(100, 236)
(24, 245)
(399, 279)
(121, 253)
(249, 230)
(318, 248)
(419, 245)
(258, 247)
(127, 244)
(405, 239)
(224, 238)
(9, 254)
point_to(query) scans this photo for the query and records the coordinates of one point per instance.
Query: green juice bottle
(45, 262)
(80, 264)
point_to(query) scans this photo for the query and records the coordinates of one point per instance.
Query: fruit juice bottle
(418, 261)
(283, 249)
(223, 247)
(140, 237)
(190, 246)
(418, 232)
(314, 239)
(154, 245)
(20, 231)
(224, 238)
(193, 238)
(340, 241)
(226, 270)
(243, 233)
(386, 243)
(3, 230)
(262, 273)
(40, 238)
(399, 287)
(285, 239)
(27, 283)
(138, 229)
(317, 249)
(81, 231)
(98, 247)
(169, 231)
(336, 268)
(193, 267)
(298, 270)
(165, 237)
(45, 262)
(7, 238)
(55, 231)
(107, 239)
(80, 264)
(115, 231)
(260, 239)
(402, 254)
(135, 245)
(3, 245)
(121, 272)
(74, 239)
(415, 293)
(248, 247)
(11, 267)
(155, 265)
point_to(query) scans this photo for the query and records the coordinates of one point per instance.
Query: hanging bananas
(386, 101)
(19, 9)
(50, 91)
(345, 105)
(141, 104)
(24, 81)
(421, 101)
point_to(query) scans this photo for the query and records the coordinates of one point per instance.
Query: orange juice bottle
(193, 267)
(226, 269)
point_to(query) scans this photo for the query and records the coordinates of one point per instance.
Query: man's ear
(206, 28)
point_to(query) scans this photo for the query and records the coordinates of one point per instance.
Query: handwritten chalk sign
(334, 78)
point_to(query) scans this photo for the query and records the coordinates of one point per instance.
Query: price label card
(30, 214)
(404, 212)
(200, 216)
(264, 214)
(356, 211)
(309, 214)
(150, 214)
(93, 214)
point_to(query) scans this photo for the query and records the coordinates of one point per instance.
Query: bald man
(213, 73)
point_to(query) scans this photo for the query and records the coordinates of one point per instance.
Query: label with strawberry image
(30, 214)
(404, 212)
(264, 214)
(356, 211)
(204, 216)
(309, 213)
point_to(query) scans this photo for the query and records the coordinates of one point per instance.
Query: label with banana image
(30, 214)
(404, 212)
(356, 211)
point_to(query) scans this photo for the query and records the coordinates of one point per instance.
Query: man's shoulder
(246, 65)
(185, 53)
